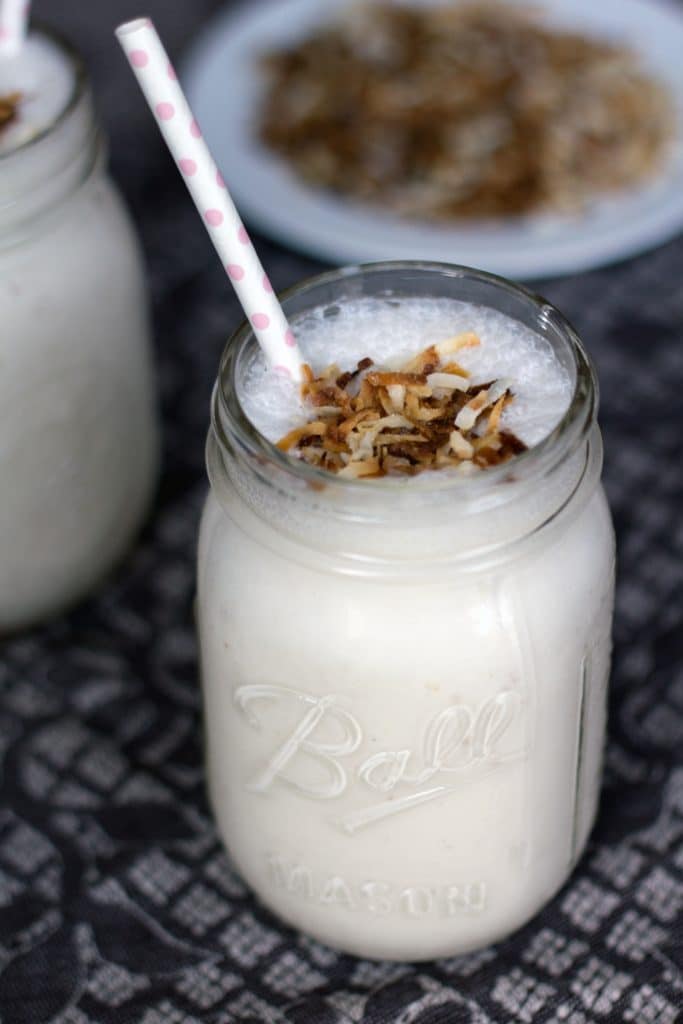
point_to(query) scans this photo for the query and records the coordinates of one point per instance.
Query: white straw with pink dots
(13, 26)
(167, 101)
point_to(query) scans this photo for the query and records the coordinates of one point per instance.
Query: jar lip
(561, 442)
(78, 90)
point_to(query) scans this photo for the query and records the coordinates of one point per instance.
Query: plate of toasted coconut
(527, 139)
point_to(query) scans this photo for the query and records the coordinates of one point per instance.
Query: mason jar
(405, 686)
(78, 422)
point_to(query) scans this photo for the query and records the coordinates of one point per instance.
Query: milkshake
(41, 81)
(405, 675)
(78, 430)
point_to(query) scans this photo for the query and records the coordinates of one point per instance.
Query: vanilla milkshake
(78, 430)
(405, 678)
(42, 79)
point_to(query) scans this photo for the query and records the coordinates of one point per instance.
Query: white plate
(224, 85)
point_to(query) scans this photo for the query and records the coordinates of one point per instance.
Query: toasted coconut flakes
(385, 401)
(370, 431)
(9, 106)
(397, 396)
(397, 463)
(429, 415)
(499, 387)
(447, 381)
(424, 362)
(421, 413)
(395, 420)
(367, 396)
(367, 415)
(317, 428)
(345, 379)
(464, 110)
(511, 443)
(453, 367)
(387, 439)
(383, 379)
(336, 447)
(468, 339)
(328, 410)
(469, 414)
(360, 447)
(370, 467)
(421, 390)
(496, 413)
(422, 416)
(462, 448)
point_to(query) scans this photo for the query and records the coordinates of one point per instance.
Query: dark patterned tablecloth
(117, 903)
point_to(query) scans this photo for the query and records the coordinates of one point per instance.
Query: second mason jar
(405, 686)
(78, 424)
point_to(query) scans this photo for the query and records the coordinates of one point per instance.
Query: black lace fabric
(117, 903)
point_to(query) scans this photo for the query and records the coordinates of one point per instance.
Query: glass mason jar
(78, 423)
(405, 685)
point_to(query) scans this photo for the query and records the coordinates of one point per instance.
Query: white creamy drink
(405, 678)
(393, 331)
(78, 431)
(44, 80)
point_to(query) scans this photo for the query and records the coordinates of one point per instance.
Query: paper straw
(179, 128)
(13, 26)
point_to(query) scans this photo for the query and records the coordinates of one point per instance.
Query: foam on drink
(42, 76)
(391, 331)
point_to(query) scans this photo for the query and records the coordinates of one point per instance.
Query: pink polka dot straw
(14, 16)
(183, 136)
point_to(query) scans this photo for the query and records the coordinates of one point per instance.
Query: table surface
(117, 903)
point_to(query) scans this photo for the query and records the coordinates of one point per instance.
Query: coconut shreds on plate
(375, 422)
(463, 110)
(8, 108)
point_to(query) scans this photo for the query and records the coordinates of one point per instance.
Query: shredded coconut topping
(473, 109)
(373, 422)
(8, 108)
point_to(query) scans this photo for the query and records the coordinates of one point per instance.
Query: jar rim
(234, 429)
(78, 90)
